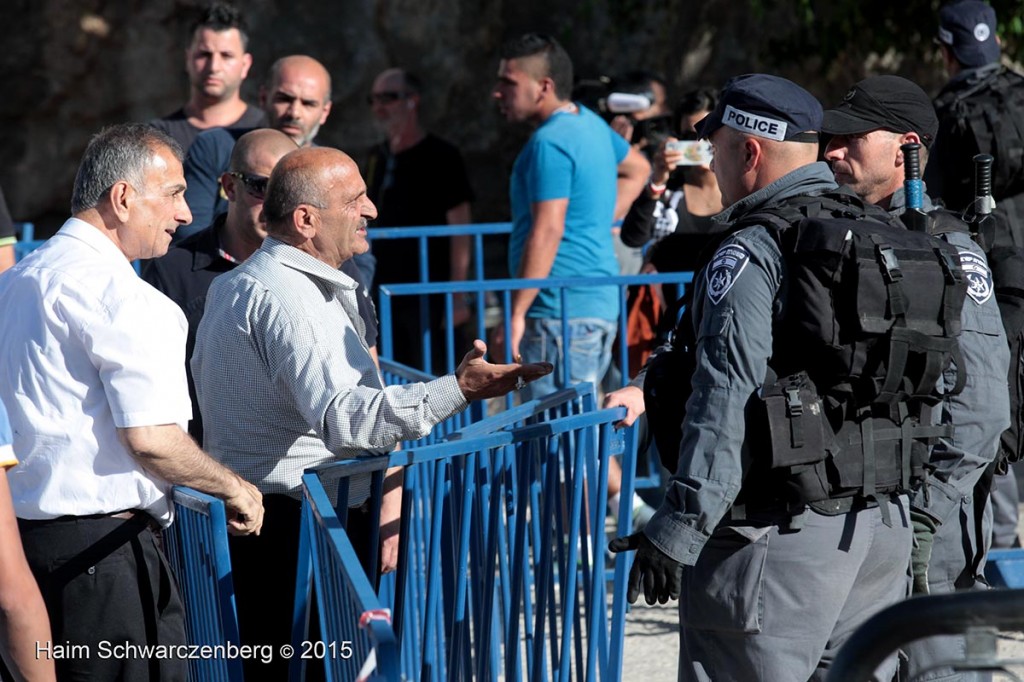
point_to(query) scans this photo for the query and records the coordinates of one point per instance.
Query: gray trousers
(764, 603)
(1005, 501)
(954, 552)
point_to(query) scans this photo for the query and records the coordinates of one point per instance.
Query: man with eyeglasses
(416, 178)
(187, 270)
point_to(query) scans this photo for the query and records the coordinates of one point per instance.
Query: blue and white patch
(978, 275)
(726, 267)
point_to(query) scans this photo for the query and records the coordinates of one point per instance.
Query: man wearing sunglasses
(416, 178)
(187, 270)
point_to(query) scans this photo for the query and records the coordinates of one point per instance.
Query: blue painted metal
(1005, 568)
(504, 287)
(353, 624)
(25, 231)
(502, 568)
(197, 549)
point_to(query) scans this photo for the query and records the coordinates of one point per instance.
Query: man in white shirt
(91, 372)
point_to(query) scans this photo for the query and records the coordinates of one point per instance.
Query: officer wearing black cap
(876, 117)
(980, 110)
(764, 593)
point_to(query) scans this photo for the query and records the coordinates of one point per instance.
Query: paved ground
(652, 644)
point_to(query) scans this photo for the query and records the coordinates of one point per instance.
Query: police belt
(791, 516)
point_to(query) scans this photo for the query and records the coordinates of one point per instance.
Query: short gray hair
(288, 188)
(119, 152)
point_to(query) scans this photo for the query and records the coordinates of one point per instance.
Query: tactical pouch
(796, 421)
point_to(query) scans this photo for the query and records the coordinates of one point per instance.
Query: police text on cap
(761, 126)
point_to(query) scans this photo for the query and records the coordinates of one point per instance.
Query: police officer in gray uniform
(764, 593)
(876, 117)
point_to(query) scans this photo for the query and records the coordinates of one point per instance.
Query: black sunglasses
(387, 97)
(255, 185)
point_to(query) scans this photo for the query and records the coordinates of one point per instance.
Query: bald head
(299, 66)
(316, 201)
(256, 148)
(297, 97)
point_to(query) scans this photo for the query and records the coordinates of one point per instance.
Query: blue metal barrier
(197, 549)
(1005, 568)
(25, 231)
(504, 288)
(356, 639)
(423, 233)
(27, 243)
(502, 561)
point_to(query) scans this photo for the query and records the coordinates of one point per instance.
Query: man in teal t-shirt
(572, 178)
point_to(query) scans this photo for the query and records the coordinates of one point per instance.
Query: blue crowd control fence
(504, 288)
(424, 233)
(27, 242)
(356, 639)
(197, 548)
(502, 564)
(25, 231)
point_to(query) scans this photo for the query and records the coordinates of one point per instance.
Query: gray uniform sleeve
(979, 413)
(734, 309)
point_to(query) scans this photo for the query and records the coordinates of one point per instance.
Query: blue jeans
(590, 351)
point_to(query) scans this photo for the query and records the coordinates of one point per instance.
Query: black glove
(661, 574)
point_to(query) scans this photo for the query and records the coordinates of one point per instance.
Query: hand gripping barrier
(197, 548)
(502, 561)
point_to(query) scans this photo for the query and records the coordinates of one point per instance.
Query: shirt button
(92, 570)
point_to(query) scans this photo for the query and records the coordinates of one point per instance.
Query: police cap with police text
(765, 106)
(968, 28)
(883, 103)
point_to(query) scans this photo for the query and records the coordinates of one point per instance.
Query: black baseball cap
(887, 103)
(968, 28)
(766, 106)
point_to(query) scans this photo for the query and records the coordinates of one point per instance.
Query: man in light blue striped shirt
(285, 380)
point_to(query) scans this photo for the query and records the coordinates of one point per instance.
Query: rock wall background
(70, 67)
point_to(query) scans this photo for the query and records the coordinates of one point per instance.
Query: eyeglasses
(386, 97)
(255, 185)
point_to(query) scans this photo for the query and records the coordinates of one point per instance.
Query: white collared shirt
(86, 347)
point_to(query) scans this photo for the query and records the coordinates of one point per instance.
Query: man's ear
(263, 97)
(227, 186)
(306, 221)
(753, 153)
(246, 65)
(121, 197)
(906, 138)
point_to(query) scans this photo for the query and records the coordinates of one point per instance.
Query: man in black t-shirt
(217, 61)
(416, 178)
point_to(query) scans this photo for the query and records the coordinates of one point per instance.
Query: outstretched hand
(480, 379)
(661, 575)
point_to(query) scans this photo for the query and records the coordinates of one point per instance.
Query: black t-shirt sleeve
(6, 224)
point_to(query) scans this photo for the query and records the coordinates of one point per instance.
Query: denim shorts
(590, 351)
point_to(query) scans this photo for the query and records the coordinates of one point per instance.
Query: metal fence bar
(197, 549)
(511, 538)
(505, 287)
(345, 597)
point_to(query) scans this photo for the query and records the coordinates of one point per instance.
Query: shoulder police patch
(979, 276)
(726, 267)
